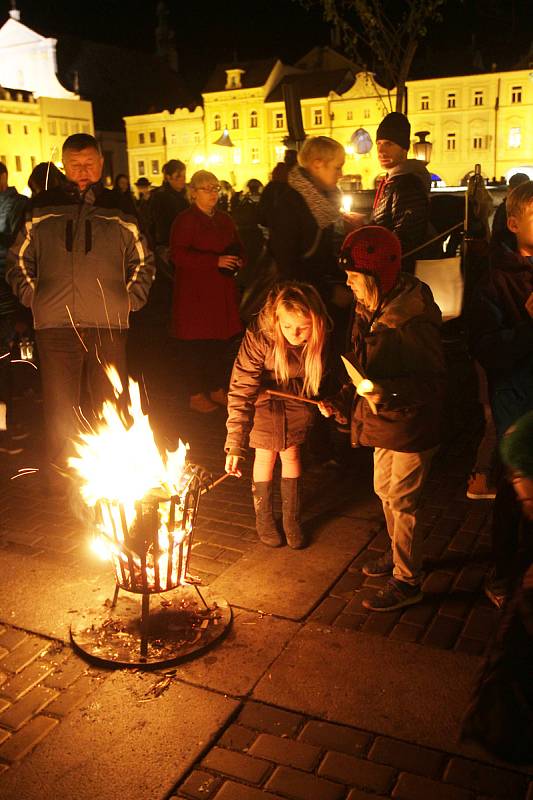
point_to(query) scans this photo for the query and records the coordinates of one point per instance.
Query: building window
(451, 99)
(63, 127)
(235, 121)
(18, 163)
(253, 119)
(516, 94)
(515, 137)
(254, 155)
(279, 120)
(140, 168)
(478, 97)
(141, 138)
(450, 141)
(366, 113)
(196, 137)
(173, 138)
(424, 103)
(9, 129)
(152, 137)
(477, 142)
(155, 167)
(318, 117)
(85, 128)
(26, 130)
(218, 124)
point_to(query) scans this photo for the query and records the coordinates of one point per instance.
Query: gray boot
(264, 517)
(291, 494)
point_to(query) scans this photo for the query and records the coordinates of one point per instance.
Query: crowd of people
(319, 283)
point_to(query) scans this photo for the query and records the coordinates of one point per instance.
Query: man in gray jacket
(81, 264)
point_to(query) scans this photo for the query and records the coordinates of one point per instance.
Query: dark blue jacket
(12, 209)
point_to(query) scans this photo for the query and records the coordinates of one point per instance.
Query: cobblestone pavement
(268, 752)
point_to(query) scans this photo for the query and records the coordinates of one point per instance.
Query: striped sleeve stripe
(20, 255)
(134, 230)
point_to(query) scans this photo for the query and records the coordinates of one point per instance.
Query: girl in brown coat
(283, 350)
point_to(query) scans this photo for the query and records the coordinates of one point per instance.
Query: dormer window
(234, 78)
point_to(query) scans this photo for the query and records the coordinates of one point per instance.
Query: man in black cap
(401, 203)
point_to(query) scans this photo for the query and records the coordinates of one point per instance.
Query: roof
(119, 82)
(255, 74)
(315, 84)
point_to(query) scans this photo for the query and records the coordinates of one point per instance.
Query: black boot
(291, 492)
(264, 517)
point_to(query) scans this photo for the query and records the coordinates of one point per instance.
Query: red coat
(206, 304)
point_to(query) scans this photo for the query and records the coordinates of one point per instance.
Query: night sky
(207, 32)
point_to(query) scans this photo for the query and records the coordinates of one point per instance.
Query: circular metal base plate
(180, 627)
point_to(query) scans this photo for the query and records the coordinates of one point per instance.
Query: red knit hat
(373, 250)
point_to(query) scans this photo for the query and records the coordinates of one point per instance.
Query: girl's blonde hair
(321, 147)
(201, 177)
(302, 300)
(370, 298)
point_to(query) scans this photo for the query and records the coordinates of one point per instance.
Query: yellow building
(484, 118)
(36, 112)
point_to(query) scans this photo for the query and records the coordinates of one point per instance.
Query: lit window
(478, 97)
(172, 138)
(254, 155)
(18, 163)
(237, 157)
(196, 137)
(152, 137)
(318, 116)
(424, 102)
(253, 119)
(279, 120)
(450, 141)
(217, 123)
(516, 94)
(155, 167)
(349, 115)
(477, 142)
(63, 127)
(515, 137)
(235, 121)
(140, 168)
(451, 100)
(366, 113)
(141, 138)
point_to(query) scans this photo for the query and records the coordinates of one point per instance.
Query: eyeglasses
(209, 189)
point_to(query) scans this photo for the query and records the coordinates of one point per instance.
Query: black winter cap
(396, 128)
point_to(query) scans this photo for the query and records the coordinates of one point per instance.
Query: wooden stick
(292, 397)
(217, 482)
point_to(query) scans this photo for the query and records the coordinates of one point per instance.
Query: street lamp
(422, 148)
(224, 140)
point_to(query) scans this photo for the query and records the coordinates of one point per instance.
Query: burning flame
(119, 465)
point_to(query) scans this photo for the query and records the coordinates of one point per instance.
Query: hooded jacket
(501, 334)
(80, 260)
(402, 203)
(399, 348)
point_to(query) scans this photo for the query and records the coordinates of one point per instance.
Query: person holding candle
(395, 404)
(283, 349)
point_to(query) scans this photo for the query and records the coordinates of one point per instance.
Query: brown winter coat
(400, 350)
(275, 424)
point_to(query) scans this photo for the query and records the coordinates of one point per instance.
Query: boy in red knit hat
(396, 409)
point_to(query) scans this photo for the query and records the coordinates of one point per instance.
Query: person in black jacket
(401, 203)
(82, 266)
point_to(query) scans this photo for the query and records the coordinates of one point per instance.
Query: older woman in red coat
(206, 251)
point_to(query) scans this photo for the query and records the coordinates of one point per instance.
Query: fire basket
(145, 505)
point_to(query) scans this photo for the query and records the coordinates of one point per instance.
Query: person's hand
(230, 262)
(371, 391)
(529, 305)
(327, 409)
(353, 219)
(232, 465)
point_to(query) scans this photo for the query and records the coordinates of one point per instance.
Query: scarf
(324, 204)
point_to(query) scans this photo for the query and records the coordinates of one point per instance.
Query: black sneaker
(396, 594)
(379, 566)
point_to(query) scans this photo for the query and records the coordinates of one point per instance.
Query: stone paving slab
(368, 682)
(269, 752)
(289, 583)
(121, 743)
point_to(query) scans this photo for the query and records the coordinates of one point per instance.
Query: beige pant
(398, 481)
